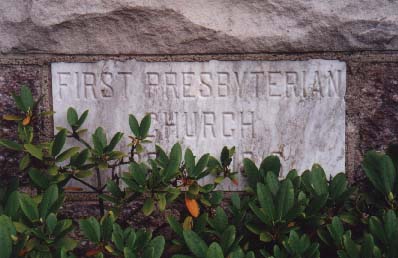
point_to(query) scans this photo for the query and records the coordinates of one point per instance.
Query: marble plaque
(293, 109)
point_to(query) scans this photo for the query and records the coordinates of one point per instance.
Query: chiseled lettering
(77, 85)
(247, 122)
(61, 83)
(304, 85)
(125, 76)
(228, 121)
(317, 85)
(89, 82)
(107, 91)
(240, 82)
(153, 131)
(152, 80)
(209, 119)
(171, 85)
(275, 84)
(334, 83)
(223, 84)
(257, 82)
(292, 80)
(205, 80)
(187, 80)
(170, 124)
(191, 124)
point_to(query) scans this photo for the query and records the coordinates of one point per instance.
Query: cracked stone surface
(203, 26)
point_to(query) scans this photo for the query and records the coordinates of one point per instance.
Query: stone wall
(202, 26)
(36, 33)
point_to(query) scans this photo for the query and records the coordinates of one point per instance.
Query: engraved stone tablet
(293, 109)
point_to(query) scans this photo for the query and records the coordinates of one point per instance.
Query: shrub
(302, 215)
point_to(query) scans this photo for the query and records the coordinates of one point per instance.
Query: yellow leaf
(188, 223)
(12, 118)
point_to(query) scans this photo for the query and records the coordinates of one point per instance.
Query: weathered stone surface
(204, 26)
(372, 111)
(12, 77)
(292, 109)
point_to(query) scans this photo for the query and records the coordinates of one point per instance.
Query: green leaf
(175, 226)
(145, 125)
(12, 205)
(271, 163)
(128, 253)
(149, 252)
(138, 173)
(200, 223)
(253, 176)
(174, 162)
(67, 154)
(225, 157)
(148, 207)
(189, 160)
(34, 151)
(81, 120)
(318, 180)
(91, 229)
(6, 230)
(368, 246)
(161, 156)
(80, 158)
(235, 200)
(107, 223)
(29, 207)
(134, 126)
(72, 117)
(350, 247)
(265, 237)
(202, 163)
(113, 188)
(157, 244)
(99, 140)
(50, 197)
(51, 222)
(220, 221)
(118, 237)
(377, 229)
(380, 171)
(197, 246)
(338, 186)
(248, 255)
(336, 230)
(24, 163)
(27, 98)
(391, 225)
(19, 103)
(115, 140)
(272, 183)
(266, 202)
(38, 178)
(214, 251)
(162, 201)
(11, 145)
(285, 200)
(58, 143)
(25, 133)
(228, 238)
